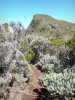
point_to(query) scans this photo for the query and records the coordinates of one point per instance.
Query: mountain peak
(45, 24)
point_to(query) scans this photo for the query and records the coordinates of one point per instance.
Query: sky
(23, 10)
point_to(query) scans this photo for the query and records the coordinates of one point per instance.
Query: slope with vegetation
(49, 45)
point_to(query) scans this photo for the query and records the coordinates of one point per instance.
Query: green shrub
(14, 70)
(5, 25)
(30, 55)
(71, 42)
(57, 42)
(62, 83)
(24, 45)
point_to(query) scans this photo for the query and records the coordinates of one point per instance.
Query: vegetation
(5, 25)
(24, 45)
(14, 70)
(47, 46)
(71, 42)
(48, 25)
(30, 55)
(62, 83)
(57, 42)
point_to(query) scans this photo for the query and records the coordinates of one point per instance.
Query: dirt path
(35, 72)
(29, 93)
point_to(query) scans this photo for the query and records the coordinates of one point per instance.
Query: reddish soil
(36, 73)
(29, 93)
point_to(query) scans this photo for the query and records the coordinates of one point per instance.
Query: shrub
(62, 83)
(57, 42)
(71, 50)
(30, 55)
(14, 70)
(24, 45)
(5, 25)
(71, 42)
(49, 64)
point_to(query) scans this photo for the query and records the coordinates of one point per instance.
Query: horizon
(23, 11)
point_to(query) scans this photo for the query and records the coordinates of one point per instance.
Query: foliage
(44, 24)
(71, 42)
(49, 64)
(62, 83)
(5, 25)
(30, 55)
(57, 42)
(14, 70)
(24, 45)
(71, 46)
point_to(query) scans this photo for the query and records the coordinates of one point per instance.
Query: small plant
(62, 83)
(5, 25)
(71, 42)
(57, 42)
(30, 55)
(24, 45)
(14, 70)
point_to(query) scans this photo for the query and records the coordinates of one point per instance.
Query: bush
(71, 43)
(62, 83)
(49, 64)
(5, 25)
(30, 55)
(57, 42)
(71, 50)
(24, 45)
(14, 70)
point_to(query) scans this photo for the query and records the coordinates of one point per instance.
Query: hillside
(37, 63)
(48, 26)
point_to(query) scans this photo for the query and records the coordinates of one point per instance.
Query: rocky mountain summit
(47, 26)
(48, 45)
